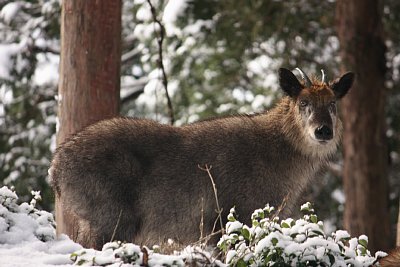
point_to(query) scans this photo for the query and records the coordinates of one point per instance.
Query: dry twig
(219, 210)
(201, 226)
(281, 206)
(116, 226)
(145, 261)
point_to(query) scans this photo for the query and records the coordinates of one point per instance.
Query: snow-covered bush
(118, 254)
(273, 242)
(268, 242)
(23, 222)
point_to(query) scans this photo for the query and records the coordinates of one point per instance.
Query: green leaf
(81, 262)
(363, 251)
(268, 209)
(268, 258)
(331, 259)
(319, 233)
(363, 243)
(274, 241)
(241, 263)
(314, 218)
(245, 233)
(231, 217)
(307, 207)
(285, 225)
(73, 256)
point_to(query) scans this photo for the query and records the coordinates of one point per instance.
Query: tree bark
(89, 73)
(398, 230)
(359, 26)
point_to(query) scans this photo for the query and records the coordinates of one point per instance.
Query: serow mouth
(318, 141)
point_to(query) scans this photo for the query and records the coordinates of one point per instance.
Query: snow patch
(172, 10)
(46, 71)
(339, 196)
(9, 11)
(7, 51)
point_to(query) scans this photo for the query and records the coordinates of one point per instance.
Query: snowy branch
(131, 96)
(129, 55)
(46, 49)
(133, 89)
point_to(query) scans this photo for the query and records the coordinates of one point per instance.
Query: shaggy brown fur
(147, 174)
(391, 260)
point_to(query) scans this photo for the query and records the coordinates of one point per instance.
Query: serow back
(140, 181)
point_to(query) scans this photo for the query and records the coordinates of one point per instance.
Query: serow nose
(324, 133)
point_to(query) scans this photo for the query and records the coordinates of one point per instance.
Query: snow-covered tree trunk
(359, 25)
(89, 73)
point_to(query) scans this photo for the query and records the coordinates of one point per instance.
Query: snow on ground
(28, 235)
(28, 238)
(38, 253)
(64, 252)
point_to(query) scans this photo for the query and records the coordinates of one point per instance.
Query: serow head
(315, 103)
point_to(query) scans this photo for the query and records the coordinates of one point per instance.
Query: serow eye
(303, 103)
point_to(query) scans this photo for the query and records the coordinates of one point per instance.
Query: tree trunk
(89, 73)
(398, 230)
(359, 25)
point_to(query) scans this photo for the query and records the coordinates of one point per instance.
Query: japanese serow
(139, 181)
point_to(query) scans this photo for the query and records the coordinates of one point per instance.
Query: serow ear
(289, 82)
(341, 87)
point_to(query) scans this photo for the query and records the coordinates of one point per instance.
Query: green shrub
(273, 242)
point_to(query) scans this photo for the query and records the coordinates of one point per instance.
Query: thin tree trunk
(89, 73)
(398, 230)
(359, 25)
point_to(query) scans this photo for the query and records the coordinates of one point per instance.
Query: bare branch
(201, 226)
(130, 96)
(206, 238)
(45, 49)
(7, 132)
(160, 40)
(281, 206)
(129, 55)
(116, 226)
(145, 260)
(219, 210)
(133, 90)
